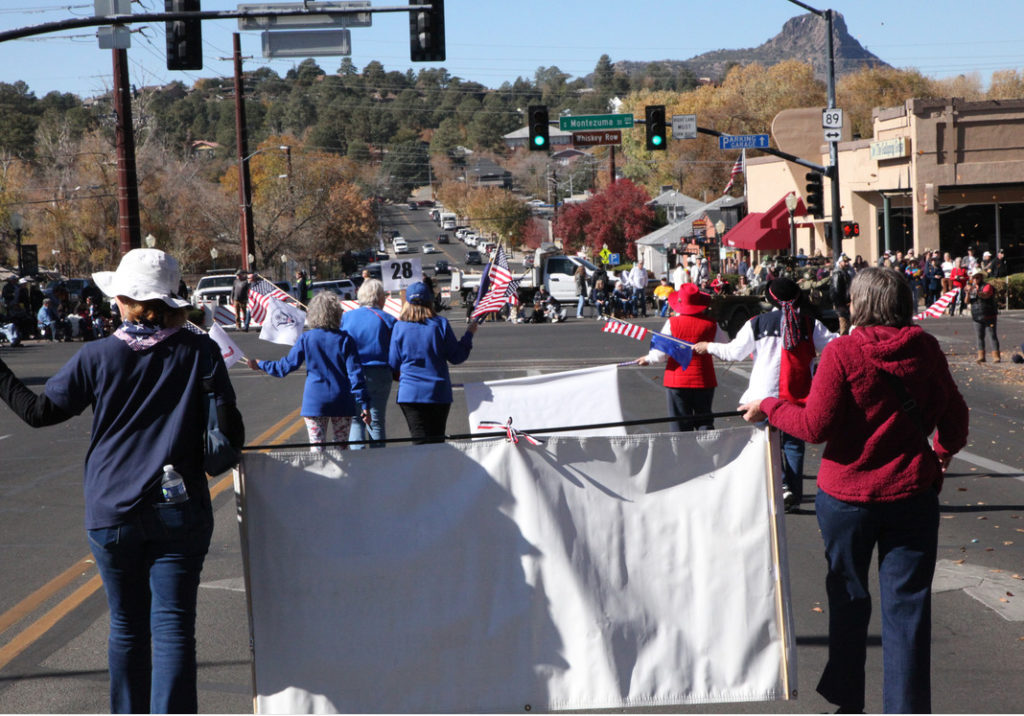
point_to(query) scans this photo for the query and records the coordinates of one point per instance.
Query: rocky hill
(802, 38)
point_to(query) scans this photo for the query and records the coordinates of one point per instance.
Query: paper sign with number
(399, 274)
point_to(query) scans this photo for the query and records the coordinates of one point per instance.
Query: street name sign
(595, 121)
(684, 126)
(743, 141)
(359, 19)
(597, 139)
(306, 43)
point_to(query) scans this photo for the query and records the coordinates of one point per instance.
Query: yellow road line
(42, 625)
(288, 424)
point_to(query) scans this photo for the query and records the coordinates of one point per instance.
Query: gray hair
(371, 292)
(324, 311)
(881, 297)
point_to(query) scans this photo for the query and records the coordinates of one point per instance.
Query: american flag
(260, 294)
(939, 307)
(501, 287)
(737, 170)
(625, 329)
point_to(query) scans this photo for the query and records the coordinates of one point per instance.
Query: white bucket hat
(143, 275)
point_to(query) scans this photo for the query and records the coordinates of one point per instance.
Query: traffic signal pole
(833, 147)
(129, 234)
(246, 225)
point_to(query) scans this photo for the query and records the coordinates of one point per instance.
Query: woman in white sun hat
(145, 386)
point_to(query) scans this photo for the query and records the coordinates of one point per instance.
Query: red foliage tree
(616, 217)
(533, 234)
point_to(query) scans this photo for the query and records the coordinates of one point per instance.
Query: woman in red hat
(689, 388)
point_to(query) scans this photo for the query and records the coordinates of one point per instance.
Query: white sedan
(428, 249)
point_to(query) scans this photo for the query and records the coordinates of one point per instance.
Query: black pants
(684, 403)
(426, 421)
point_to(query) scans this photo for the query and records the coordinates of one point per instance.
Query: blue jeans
(793, 464)
(150, 567)
(579, 305)
(378, 384)
(906, 532)
(684, 403)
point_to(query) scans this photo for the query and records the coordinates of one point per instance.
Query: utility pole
(246, 229)
(129, 234)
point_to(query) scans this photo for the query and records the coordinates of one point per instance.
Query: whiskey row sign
(597, 139)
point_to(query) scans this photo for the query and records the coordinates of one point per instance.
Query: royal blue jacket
(420, 354)
(334, 376)
(370, 328)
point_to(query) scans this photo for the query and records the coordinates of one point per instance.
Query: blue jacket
(420, 354)
(333, 373)
(370, 328)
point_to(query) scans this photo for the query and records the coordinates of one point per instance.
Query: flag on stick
(737, 170)
(260, 294)
(939, 307)
(625, 329)
(284, 323)
(682, 353)
(500, 287)
(229, 350)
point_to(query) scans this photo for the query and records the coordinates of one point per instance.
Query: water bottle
(173, 486)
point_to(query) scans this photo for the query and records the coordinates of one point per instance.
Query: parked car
(413, 206)
(473, 257)
(442, 267)
(428, 249)
(214, 287)
(374, 270)
(470, 239)
(344, 287)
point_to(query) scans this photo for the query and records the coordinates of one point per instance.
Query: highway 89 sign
(832, 118)
(399, 274)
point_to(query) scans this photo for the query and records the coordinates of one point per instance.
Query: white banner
(553, 400)
(284, 323)
(483, 576)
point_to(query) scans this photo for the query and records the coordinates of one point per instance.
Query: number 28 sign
(400, 274)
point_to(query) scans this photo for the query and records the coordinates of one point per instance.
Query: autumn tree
(615, 217)
(861, 92)
(497, 211)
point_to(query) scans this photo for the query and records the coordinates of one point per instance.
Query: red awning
(765, 231)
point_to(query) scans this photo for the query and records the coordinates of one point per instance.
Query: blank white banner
(482, 576)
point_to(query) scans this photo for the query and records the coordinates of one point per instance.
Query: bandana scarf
(792, 326)
(142, 336)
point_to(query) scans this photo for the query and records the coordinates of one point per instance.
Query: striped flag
(260, 294)
(939, 307)
(737, 170)
(625, 329)
(501, 288)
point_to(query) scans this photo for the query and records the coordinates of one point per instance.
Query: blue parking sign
(614, 260)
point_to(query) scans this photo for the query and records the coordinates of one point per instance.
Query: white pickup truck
(551, 269)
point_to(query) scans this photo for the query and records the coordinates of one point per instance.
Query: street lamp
(150, 241)
(213, 255)
(791, 202)
(18, 224)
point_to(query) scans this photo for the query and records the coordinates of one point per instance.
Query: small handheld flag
(680, 352)
(624, 329)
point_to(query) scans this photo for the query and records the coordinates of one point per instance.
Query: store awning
(764, 231)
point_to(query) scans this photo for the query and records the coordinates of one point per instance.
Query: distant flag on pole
(260, 294)
(625, 329)
(500, 287)
(737, 170)
(939, 307)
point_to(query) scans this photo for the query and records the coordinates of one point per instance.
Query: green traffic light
(539, 141)
(656, 140)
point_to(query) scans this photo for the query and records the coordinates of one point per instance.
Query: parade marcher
(878, 395)
(335, 389)
(144, 385)
(370, 327)
(240, 298)
(839, 290)
(422, 346)
(783, 342)
(982, 298)
(690, 389)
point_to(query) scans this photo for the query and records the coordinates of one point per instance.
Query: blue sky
(491, 41)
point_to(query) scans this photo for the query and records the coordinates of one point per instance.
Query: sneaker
(789, 502)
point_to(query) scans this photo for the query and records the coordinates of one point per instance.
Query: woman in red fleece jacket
(878, 484)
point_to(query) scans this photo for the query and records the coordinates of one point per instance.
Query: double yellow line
(84, 568)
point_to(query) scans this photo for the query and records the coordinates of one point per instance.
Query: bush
(1012, 285)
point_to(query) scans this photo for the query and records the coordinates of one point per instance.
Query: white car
(399, 245)
(344, 287)
(470, 239)
(428, 249)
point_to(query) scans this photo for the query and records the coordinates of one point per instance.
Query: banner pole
(773, 460)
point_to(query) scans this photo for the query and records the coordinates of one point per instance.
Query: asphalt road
(53, 617)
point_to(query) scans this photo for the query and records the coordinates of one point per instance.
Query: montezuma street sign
(595, 121)
(596, 139)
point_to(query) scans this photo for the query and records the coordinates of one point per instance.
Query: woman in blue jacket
(370, 327)
(422, 346)
(333, 373)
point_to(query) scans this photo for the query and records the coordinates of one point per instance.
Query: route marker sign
(595, 121)
(832, 118)
(743, 141)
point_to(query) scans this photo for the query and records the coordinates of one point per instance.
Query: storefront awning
(764, 231)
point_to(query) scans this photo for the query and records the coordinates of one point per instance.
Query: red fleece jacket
(875, 452)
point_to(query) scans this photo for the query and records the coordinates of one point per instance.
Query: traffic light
(184, 37)
(815, 195)
(537, 120)
(654, 123)
(426, 32)
(850, 229)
